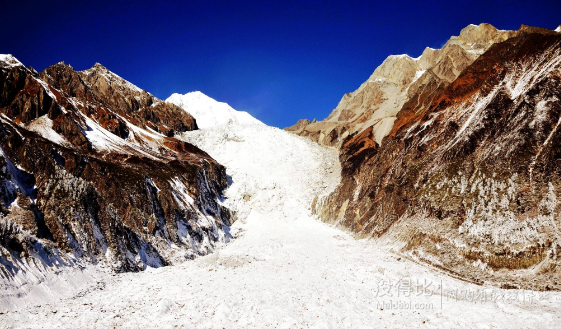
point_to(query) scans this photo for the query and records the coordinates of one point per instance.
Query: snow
(41, 284)
(12, 179)
(285, 268)
(208, 112)
(518, 81)
(406, 56)
(10, 60)
(44, 127)
(558, 29)
(46, 87)
(475, 109)
(278, 171)
(105, 141)
(400, 56)
(418, 74)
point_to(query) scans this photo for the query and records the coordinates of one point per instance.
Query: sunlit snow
(208, 112)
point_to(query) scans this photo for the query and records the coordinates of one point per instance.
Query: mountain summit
(92, 174)
(398, 79)
(453, 158)
(209, 112)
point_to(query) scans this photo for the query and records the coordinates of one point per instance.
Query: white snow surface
(285, 269)
(10, 60)
(44, 127)
(209, 112)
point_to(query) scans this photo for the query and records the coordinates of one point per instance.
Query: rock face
(467, 178)
(91, 173)
(210, 113)
(397, 80)
(301, 124)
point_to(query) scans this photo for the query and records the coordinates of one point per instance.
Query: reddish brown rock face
(398, 81)
(91, 172)
(468, 178)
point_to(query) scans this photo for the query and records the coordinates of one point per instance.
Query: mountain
(92, 174)
(467, 176)
(208, 112)
(398, 79)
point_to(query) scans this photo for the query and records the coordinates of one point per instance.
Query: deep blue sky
(279, 60)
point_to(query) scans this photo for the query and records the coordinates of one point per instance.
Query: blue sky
(279, 60)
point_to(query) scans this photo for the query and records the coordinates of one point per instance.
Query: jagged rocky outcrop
(397, 80)
(468, 178)
(91, 172)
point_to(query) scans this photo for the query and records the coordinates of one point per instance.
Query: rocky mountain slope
(92, 174)
(284, 268)
(467, 177)
(397, 80)
(208, 112)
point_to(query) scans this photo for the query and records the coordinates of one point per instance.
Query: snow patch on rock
(10, 60)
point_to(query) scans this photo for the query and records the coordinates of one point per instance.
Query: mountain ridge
(466, 181)
(92, 174)
(398, 80)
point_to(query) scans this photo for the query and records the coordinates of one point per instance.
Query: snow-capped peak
(209, 112)
(9, 59)
(558, 29)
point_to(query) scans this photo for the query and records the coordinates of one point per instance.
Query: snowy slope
(9, 59)
(208, 112)
(285, 269)
(273, 170)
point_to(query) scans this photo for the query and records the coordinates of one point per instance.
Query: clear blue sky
(279, 60)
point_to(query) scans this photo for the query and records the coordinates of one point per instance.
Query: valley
(284, 268)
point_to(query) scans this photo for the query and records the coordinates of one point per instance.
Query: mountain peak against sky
(209, 112)
(378, 100)
(8, 58)
(274, 53)
(437, 172)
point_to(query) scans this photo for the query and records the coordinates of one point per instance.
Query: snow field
(284, 269)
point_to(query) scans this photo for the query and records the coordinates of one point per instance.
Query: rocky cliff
(91, 173)
(467, 178)
(397, 80)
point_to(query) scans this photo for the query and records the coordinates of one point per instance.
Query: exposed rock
(106, 92)
(399, 79)
(299, 125)
(467, 179)
(90, 173)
